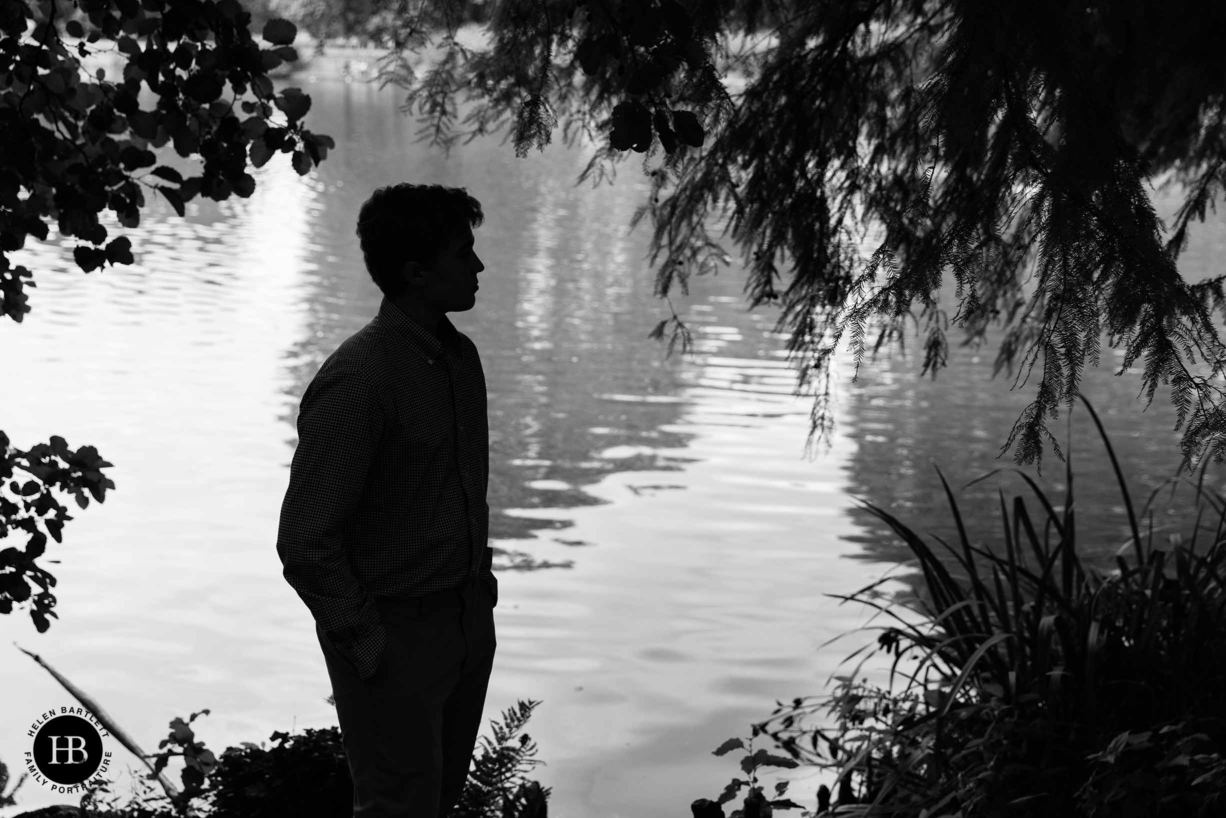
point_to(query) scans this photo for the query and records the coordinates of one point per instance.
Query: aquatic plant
(1024, 681)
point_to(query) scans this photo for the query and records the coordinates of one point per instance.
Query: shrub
(303, 775)
(306, 775)
(1035, 684)
(8, 800)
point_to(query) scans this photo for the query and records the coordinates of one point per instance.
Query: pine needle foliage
(878, 147)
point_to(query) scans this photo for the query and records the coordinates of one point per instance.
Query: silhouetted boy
(384, 526)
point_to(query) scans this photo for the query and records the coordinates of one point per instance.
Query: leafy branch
(32, 506)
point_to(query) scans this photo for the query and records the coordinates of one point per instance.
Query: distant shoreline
(344, 60)
(341, 59)
(340, 62)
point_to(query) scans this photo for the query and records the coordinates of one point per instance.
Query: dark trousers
(410, 729)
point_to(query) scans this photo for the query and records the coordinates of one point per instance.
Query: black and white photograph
(612, 409)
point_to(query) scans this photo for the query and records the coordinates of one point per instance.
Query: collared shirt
(387, 489)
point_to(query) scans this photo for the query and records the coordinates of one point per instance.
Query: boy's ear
(412, 273)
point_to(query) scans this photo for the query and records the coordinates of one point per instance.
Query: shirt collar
(424, 341)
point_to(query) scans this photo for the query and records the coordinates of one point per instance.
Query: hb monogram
(75, 745)
(67, 752)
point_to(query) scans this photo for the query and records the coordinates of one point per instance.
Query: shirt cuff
(362, 646)
(491, 584)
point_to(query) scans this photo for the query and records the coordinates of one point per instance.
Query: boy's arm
(340, 425)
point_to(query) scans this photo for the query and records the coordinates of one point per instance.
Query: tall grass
(1033, 684)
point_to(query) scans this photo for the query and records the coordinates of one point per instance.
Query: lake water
(664, 544)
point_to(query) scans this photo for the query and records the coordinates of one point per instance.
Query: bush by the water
(1033, 684)
(305, 775)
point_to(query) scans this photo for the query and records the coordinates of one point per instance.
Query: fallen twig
(92, 706)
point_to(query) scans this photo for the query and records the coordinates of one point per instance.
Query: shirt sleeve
(340, 426)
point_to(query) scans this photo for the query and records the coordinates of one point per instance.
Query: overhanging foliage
(1007, 143)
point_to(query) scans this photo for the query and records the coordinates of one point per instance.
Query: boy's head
(417, 242)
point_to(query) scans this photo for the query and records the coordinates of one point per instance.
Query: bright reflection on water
(682, 543)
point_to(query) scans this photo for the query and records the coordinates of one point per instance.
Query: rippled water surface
(664, 543)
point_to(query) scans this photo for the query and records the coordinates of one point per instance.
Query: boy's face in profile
(450, 284)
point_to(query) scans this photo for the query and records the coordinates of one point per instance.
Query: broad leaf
(280, 32)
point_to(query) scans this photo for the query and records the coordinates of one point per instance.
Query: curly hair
(408, 222)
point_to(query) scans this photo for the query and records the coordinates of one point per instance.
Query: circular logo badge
(68, 750)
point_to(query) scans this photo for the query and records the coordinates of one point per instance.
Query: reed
(1030, 683)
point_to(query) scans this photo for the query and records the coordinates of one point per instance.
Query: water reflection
(548, 308)
(904, 424)
(699, 539)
